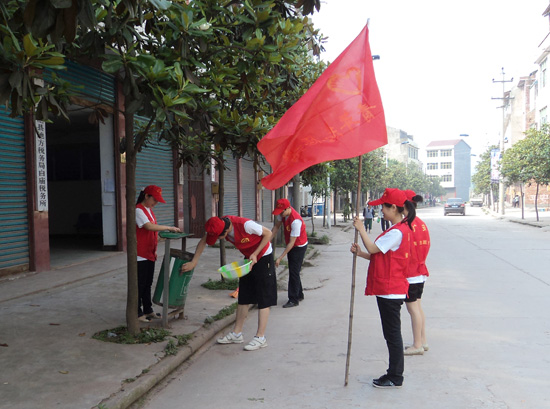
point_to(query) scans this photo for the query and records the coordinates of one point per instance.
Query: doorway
(74, 188)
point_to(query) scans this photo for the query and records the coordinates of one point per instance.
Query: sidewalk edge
(146, 382)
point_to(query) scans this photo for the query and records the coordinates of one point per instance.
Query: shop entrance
(75, 188)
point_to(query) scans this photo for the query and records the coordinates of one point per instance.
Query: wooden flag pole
(353, 271)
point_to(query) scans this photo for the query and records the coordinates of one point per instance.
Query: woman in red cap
(296, 247)
(147, 241)
(389, 258)
(257, 287)
(417, 276)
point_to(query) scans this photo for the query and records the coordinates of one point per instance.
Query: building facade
(450, 161)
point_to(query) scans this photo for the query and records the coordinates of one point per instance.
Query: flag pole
(353, 271)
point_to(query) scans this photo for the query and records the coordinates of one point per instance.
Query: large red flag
(339, 117)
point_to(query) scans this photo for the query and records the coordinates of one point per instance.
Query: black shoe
(301, 298)
(384, 382)
(291, 304)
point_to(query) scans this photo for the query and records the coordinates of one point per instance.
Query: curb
(145, 382)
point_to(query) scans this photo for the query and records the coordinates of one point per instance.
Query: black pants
(385, 224)
(390, 315)
(295, 260)
(146, 271)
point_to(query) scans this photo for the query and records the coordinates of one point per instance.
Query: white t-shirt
(251, 227)
(390, 241)
(141, 219)
(295, 228)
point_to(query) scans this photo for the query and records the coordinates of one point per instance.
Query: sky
(438, 59)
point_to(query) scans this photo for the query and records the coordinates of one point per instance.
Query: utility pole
(505, 101)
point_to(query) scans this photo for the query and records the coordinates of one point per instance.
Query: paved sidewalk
(49, 359)
(528, 217)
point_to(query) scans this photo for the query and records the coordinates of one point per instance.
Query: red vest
(420, 245)
(287, 221)
(244, 242)
(147, 240)
(386, 274)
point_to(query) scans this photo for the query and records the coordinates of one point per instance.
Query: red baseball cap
(214, 228)
(410, 194)
(281, 206)
(154, 191)
(391, 196)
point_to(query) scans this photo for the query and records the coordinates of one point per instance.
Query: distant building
(450, 161)
(401, 146)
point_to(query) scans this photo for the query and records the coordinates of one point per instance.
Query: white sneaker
(230, 338)
(255, 344)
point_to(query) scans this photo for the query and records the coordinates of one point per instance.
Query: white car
(476, 201)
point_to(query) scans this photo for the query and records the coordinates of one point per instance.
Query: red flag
(339, 117)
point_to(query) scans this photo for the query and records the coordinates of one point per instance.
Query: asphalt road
(487, 304)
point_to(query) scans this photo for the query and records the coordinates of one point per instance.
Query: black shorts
(415, 292)
(260, 285)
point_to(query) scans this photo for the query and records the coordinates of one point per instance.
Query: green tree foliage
(481, 178)
(528, 160)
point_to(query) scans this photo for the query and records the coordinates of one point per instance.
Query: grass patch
(221, 284)
(120, 335)
(174, 343)
(224, 312)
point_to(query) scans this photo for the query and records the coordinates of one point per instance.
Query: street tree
(481, 178)
(316, 177)
(515, 168)
(537, 152)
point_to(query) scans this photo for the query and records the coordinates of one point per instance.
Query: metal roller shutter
(266, 205)
(14, 229)
(248, 183)
(231, 198)
(155, 167)
(92, 84)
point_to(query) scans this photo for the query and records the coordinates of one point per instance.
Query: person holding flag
(257, 287)
(386, 277)
(296, 247)
(417, 276)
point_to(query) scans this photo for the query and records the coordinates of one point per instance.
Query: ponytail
(417, 199)
(411, 212)
(141, 197)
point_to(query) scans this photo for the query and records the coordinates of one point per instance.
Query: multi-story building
(401, 146)
(450, 160)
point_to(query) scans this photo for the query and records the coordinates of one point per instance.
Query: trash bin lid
(172, 235)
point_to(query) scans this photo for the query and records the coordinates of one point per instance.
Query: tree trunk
(132, 295)
(296, 196)
(312, 217)
(536, 202)
(521, 197)
(221, 175)
(335, 190)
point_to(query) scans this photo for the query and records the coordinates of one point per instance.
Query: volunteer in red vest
(417, 276)
(257, 287)
(296, 247)
(389, 258)
(147, 240)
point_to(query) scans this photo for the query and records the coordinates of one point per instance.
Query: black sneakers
(384, 382)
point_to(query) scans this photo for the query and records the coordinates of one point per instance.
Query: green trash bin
(178, 284)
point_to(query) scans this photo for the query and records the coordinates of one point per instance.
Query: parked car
(455, 205)
(476, 201)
